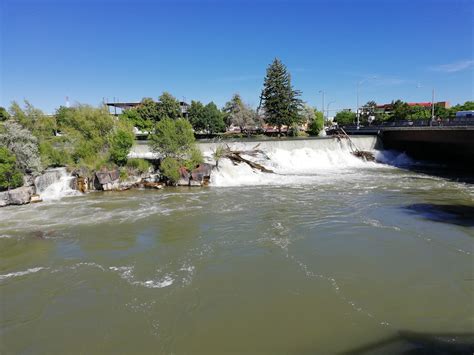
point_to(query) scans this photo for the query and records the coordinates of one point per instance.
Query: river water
(329, 255)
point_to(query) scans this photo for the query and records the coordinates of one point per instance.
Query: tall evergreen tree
(280, 101)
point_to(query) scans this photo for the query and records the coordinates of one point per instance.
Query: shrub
(21, 142)
(317, 124)
(4, 115)
(170, 169)
(173, 138)
(120, 144)
(54, 157)
(194, 159)
(139, 165)
(10, 176)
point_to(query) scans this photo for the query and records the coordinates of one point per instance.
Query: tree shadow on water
(414, 343)
(462, 215)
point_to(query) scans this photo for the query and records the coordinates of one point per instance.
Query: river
(329, 255)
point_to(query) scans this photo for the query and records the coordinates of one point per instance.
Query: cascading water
(307, 161)
(54, 184)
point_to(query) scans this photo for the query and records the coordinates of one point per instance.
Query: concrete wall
(449, 145)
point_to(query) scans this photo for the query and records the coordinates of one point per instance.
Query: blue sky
(208, 50)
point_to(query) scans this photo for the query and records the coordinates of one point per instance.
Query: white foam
(55, 184)
(21, 273)
(126, 273)
(299, 165)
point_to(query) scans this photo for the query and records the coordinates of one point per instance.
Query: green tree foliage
(344, 118)
(174, 141)
(139, 165)
(197, 116)
(4, 115)
(168, 107)
(400, 110)
(53, 157)
(10, 176)
(317, 124)
(121, 141)
(148, 110)
(239, 114)
(214, 119)
(23, 144)
(280, 101)
(87, 131)
(419, 113)
(136, 120)
(170, 168)
(173, 138)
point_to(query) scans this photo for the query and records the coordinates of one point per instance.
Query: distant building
(122, 106)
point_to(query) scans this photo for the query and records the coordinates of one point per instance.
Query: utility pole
(432, 104)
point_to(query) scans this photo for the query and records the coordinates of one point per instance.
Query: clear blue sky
(207, 50)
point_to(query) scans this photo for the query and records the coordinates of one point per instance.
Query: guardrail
(449, 122)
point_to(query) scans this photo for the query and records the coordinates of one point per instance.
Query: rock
(28, 180)
(194, 183)
(106, 180)
(4, 199)
(35, 198)
(19, 196)
(183, 182)
(81, 184)
(201, 174)
(152, 185)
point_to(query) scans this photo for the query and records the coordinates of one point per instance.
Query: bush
(139, 165)
(194, 159)
(169, 167)
(317, 124)
(10, 176)
(21, 142)
(120, 144)
(54, 157)
(173, 138)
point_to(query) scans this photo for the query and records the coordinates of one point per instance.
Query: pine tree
(280, 101)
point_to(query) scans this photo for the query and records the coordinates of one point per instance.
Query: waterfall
(304, 161)
(54, 184)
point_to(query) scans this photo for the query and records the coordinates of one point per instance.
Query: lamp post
(327, 107)
(322, 107)
(359, 83)
(432, 101)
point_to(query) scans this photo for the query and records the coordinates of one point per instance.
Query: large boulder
(184, 177)
(201, 174)
(19, 196)
(106, 180)
(4, 199)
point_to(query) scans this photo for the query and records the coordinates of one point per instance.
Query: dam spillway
(141, 149)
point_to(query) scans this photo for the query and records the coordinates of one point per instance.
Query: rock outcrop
(201, 174)
(19, 196)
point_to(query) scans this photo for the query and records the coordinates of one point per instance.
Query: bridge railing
(451, 122)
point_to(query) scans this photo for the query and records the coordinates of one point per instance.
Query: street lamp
(432, 101)
(327, 107)
(359, 83)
